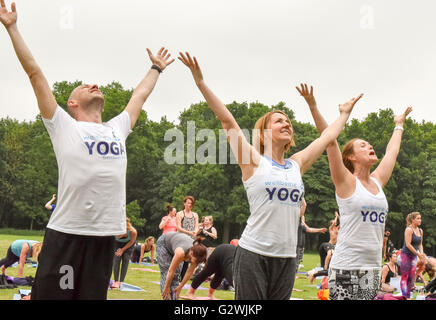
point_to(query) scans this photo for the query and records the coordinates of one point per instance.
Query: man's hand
(161, 59)
(8, 18)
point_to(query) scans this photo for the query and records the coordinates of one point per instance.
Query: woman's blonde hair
(128, 223)
(36, 247)
(411, 216)
(259, 133)
(210, 218)
(149, 238)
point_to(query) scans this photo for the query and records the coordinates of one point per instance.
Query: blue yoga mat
(129, 287)
(143, 263)
(17, 296)
(126, 287)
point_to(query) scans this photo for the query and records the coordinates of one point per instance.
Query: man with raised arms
(76, 259)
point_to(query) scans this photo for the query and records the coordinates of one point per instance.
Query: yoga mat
(197, 298)
(143, 263)
(185, 287)
(33, 265)
(125, 287)
(129, 287)
(145, 269)
(17, 296)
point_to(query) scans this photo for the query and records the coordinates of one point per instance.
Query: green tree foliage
(133, 212)
(28, 168)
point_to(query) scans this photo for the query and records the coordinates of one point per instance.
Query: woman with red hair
(275, 191)
(355, 268)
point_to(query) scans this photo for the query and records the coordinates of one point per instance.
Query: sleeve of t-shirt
(122, 122)
(59, 123)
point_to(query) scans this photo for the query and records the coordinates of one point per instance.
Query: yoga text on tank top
(360, 238)
(275, 194)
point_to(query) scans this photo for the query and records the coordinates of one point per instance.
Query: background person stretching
(92, 186)
(49, 205)
(172, 249)
(19, 251)
(219, 264)
(140, 249)
(124, 245)
(267, 247)
(355, 268)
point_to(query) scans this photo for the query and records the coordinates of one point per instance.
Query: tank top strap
(361, 187)
(380, 189)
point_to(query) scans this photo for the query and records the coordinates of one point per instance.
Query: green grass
(144, 279)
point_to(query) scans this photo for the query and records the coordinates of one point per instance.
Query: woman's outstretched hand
(193, 65)
(400, 119)
(348, 106)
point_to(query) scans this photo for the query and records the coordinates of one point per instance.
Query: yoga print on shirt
(107, 147)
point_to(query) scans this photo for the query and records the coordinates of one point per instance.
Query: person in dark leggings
(303, 228)
(19, 251)
(220, 263)
(124, 247)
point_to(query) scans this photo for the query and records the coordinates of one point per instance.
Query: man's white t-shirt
(92, 164)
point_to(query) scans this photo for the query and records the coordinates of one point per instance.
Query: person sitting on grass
(19, 251)
(389, 270)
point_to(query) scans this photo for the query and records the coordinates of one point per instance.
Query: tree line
(29, 175)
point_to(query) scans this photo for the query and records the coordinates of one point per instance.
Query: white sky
(249, 50)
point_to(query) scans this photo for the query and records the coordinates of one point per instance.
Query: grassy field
(144, 279)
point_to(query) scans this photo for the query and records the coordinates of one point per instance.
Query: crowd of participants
(88, 229)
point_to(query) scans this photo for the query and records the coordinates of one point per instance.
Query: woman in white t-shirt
(355, 269)
(275, 190)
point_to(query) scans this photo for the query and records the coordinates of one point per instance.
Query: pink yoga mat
(146, 269)
(196, 298)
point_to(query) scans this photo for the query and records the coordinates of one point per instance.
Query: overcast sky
(249, 50)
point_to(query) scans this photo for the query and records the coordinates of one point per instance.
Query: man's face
(87, 96)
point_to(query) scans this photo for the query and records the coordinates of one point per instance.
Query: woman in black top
(140, 249)
(219, 263)
(389, 270)
(208, 232)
